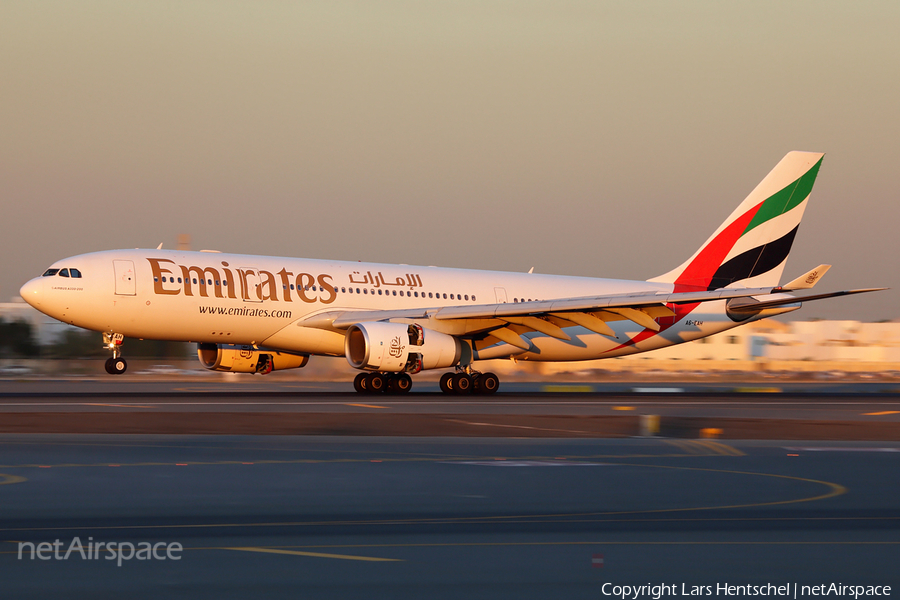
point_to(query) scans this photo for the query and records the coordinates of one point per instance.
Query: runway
(326, 517)
(873, 403)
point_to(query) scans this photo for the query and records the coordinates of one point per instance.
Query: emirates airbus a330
(256, 314)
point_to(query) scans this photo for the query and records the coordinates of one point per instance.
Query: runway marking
(840, 449)
(834, 489)
(516, 426)
(878, 414)
(571, 388)
(686, 446)
(367, 405)
(527, 463)
(314, 554)
(119, 405)
(10, 479)
(703, 447)
(720, 448)
(692, 448)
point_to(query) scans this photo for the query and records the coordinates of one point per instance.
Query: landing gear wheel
(400, 384)
(116, 366)
(375, 383)
(447, 383)
(462, 383)
(487, 383)
(359, 383)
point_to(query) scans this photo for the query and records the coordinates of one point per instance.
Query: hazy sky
(591, 138)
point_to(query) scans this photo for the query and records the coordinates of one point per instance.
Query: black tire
(447, 383)
(109, 366)
(116, 366)
(401, 384)
(359, 383)
(488, 384)
(375, 383)
(462, 383)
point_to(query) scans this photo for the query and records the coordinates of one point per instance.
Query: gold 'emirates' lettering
(254, 284)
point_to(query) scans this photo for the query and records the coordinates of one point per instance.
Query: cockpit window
(50, 272)
(75, 273)
(64, 273)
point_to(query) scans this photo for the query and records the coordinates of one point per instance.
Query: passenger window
(429, 294)
(179, 280)
(50, 272)
(451, 296)
(209, 282)
(467, 296)
(473, 298)
(64, 273)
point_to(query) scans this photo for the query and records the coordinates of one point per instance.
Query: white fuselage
(212, 297)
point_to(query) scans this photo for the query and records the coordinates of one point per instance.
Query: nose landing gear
(115, 365)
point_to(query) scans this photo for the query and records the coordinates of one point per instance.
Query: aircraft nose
(32, 291)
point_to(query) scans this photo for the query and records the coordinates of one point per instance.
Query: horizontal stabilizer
(742, 305)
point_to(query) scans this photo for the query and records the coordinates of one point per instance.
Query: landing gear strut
(466, 380)
(115, 365)
(392, 383)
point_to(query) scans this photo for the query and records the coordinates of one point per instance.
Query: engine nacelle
(246, 359)
(395, 347)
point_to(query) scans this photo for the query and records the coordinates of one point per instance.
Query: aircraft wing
(550, 316)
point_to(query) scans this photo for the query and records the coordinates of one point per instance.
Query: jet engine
(397, 347)
(247, 359)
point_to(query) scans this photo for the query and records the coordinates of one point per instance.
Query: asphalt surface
(870, 403)
(331, 517)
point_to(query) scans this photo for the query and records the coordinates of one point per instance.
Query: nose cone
(32, 292)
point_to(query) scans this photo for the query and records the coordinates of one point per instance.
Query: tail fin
(752, 245)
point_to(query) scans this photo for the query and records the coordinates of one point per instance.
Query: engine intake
(246, 359)
(397, 347)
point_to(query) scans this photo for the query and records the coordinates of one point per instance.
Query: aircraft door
(125, 283)
(249, 285)
(501, 295)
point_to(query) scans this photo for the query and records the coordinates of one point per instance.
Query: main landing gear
(464, 381)
(468, 381)
(373, 383)
(115, 365)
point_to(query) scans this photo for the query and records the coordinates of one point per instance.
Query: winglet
(808, 279)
